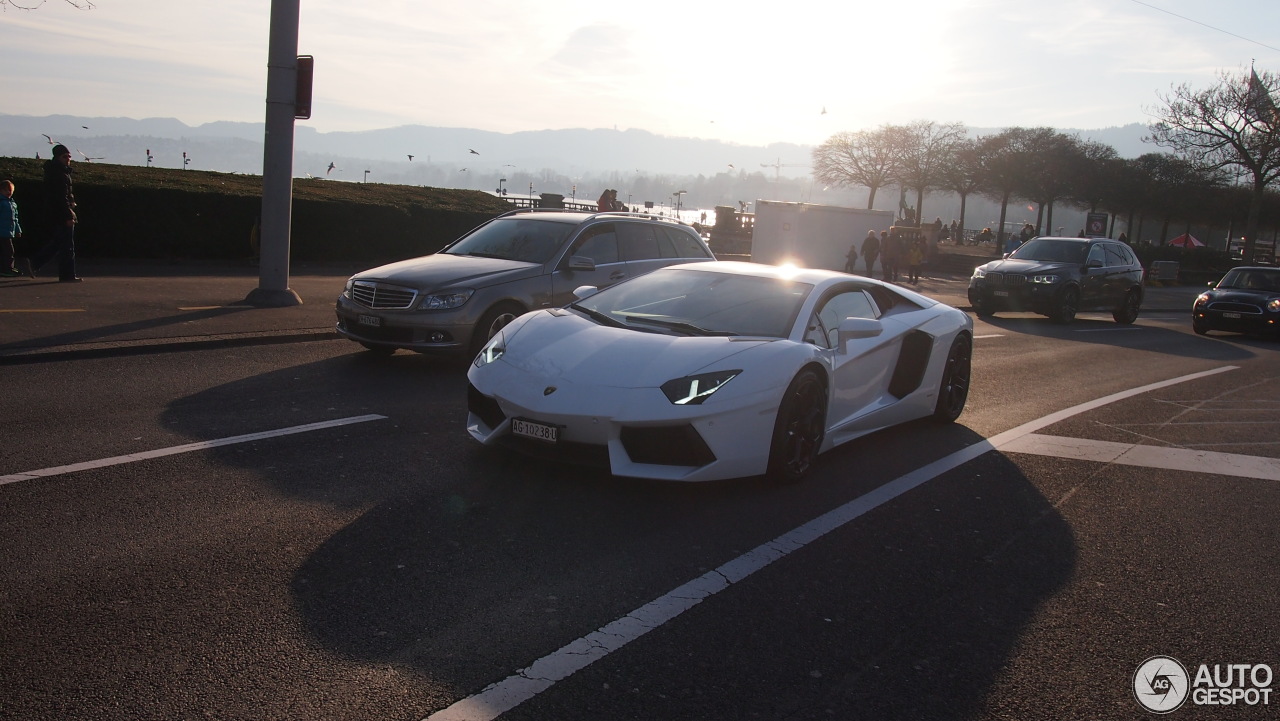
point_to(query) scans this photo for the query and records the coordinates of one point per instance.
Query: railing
(527, 202)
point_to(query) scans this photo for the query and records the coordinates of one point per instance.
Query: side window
(824, 325)
(1115, 256)
(638, 241)
(599, 243)
(1097, 253)
(686, 245)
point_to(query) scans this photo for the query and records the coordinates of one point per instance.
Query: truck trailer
(812, 236)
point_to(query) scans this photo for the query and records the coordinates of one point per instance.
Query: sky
(747, 73)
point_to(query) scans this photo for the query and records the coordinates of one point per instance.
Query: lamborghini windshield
(699, 302)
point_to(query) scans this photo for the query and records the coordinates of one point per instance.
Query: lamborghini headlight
(445, 301)
(693, 390)
(491, 351)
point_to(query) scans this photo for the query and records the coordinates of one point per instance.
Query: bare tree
(962, 173)
(864, 158)
(33, 4)
(922, 148)
(1232, 125)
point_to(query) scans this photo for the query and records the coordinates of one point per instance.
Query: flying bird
(824, 110)
(331, 166)
(463, 170)
(474, 152)
(86, 127)
(86, 157)
(46, 137)
(730, 165)
(410, 158)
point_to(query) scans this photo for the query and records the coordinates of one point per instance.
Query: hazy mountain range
(438, 153)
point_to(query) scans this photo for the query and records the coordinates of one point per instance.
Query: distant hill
(237, 147)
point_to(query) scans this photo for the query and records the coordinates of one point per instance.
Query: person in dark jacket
(60, 215)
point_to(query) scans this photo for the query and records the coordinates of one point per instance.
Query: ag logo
(1161, 684)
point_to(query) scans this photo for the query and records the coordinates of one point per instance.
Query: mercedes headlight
(979, 272)
(346, 290)
(445, 301)
(693, 390)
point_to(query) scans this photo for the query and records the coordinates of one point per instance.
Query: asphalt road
(376, 565)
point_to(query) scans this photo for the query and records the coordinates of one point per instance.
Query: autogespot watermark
(1162, 685)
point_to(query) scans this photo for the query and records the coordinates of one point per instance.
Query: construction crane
(779, 165)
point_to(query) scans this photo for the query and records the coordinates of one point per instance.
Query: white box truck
(812, 236)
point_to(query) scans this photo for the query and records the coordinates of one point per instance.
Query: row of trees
(1224, 139)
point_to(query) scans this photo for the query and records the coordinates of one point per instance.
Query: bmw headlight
(1047, 278)
(491, 351)
(693, 390)
(445, 301)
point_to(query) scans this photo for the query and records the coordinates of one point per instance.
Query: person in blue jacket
(10, 228)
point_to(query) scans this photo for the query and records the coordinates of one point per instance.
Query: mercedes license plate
(1230, 315)
(534, 430)
(370, 320)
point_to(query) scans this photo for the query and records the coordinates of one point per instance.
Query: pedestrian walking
(851, 259)
(60, 215)
(871, 251)
(10, 228)
(915, 256)
(890, 255)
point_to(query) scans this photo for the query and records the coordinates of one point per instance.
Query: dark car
(1246, 300)
(1059, 277)
(452, 301)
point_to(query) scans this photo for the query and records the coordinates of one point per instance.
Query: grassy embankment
(160, 213)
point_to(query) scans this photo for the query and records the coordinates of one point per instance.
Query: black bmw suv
(1059, 277)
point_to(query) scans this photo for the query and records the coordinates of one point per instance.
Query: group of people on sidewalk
(60, 217)
(896, 252)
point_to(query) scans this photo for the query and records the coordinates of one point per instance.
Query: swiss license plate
(370, 320)
(1230, 315)
(1001, 293)
(534, 430)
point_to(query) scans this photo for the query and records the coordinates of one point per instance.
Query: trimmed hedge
(161, 213)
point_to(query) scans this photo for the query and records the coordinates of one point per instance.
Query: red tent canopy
(1186, 240)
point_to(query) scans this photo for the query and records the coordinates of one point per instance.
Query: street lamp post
(679, 202)
(366, 175)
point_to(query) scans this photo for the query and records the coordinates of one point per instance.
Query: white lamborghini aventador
(719, 370)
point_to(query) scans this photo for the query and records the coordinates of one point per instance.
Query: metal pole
(277, 160)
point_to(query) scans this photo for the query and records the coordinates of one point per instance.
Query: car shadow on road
(1106, 332)
(462, 564)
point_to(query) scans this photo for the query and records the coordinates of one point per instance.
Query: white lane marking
(502, 696)
(1108, 330)
(989, 335)
(1134, 454)
(187, 448)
